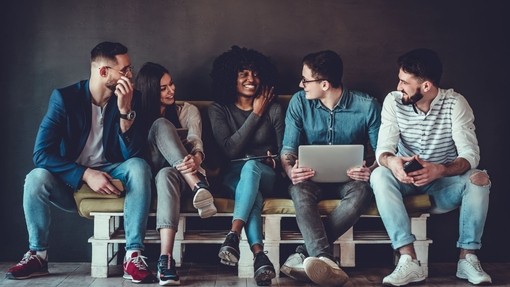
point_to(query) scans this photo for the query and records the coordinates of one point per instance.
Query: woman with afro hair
(248, 126)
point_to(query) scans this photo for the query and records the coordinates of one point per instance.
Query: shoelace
(476, 265)
(26, 258)
(139, 262)
(166, 265)
(232, 238)
(401, 267)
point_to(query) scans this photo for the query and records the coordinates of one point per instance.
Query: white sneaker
(471, 270)
(204, 202)
(324, 272)
(293, 267)
(407, 271)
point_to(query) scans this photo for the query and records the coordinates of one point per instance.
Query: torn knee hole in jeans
(479, 178)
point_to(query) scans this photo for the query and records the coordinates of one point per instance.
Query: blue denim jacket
(354, 120)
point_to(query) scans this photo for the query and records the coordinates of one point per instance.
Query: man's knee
(37, 177)
(302, 191)
(480, 178)
(139, 167)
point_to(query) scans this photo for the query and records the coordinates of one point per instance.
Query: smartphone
(411, 166)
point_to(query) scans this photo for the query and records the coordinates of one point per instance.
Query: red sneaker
(137, 270)
(30, 266)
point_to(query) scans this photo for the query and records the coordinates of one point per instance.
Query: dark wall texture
(46, 44)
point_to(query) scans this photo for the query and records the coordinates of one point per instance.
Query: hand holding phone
(411, 166)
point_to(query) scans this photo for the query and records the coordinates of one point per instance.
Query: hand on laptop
(300, 174)
(361, 173)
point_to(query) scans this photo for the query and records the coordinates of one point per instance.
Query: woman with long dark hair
(175, 155)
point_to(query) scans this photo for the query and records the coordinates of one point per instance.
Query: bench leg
(272, 237)
(422, 254)
(347, 249)
(178, 251)
(99, 265)
(245, 264)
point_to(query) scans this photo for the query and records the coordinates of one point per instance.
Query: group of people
(116, 126)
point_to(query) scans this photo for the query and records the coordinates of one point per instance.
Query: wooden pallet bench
(108, 233)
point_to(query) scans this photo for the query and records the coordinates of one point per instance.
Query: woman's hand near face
(262, 100)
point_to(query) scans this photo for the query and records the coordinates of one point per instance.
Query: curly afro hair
(230, 63)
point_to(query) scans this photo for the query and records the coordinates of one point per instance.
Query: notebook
(330, 162)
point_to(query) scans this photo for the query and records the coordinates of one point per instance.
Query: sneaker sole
(228, 257)
(148, 279)
(202, 198)
(204, 202)
(168, 282)
(414, 281)
(481, 282)
(207, 211)
(322, 274)
(35, 274)
(264, 275)
(299, 275)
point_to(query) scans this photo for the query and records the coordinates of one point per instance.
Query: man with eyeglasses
(326, 112)
(90, 135)
(434, 128)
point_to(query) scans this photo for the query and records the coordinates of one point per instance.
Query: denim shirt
(354, 120)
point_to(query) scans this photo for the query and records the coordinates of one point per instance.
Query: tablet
(330, 162)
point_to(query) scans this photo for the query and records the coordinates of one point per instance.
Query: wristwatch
(129, 116)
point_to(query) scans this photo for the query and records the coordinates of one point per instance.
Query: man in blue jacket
(89, 135)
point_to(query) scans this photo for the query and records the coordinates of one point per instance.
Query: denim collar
(345, 99)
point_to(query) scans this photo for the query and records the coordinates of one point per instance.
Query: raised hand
(262, 100)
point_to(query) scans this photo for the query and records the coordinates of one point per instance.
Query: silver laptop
(330, 162)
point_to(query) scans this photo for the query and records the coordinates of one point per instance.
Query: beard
(412, 99)
(111, 86)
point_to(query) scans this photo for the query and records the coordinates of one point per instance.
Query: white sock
(43, 254)
(130, 252)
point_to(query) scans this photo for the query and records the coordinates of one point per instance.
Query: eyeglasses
(304, 82)
(123, 72)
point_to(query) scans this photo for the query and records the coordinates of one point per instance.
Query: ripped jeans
(447, 193)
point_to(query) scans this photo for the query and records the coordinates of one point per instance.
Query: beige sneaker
(324, 272)
(471, 270)
(204, 202)
(293, 267)
(407, 271)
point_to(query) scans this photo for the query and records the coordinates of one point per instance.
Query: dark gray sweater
(242, 133)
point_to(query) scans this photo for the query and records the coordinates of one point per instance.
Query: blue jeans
(318, 235)
(447, 193)
(42, 188)
(246, 181)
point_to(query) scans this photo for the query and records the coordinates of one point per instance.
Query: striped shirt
(445, 132)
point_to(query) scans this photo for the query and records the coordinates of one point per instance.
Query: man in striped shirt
(433, 127)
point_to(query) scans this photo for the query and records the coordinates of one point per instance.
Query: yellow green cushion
(88, 201)
(415, 204)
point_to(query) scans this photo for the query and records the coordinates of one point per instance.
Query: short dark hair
(326, 65)
(230, 63)
(148, 82)
(422, 63)
(107, 50)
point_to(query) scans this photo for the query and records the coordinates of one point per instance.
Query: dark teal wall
(46, 44)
